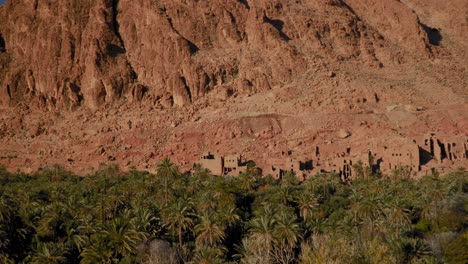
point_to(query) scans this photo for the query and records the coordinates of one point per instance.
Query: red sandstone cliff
(147, 78)
(62, 54)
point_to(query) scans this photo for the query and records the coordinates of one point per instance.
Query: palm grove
(173, 217)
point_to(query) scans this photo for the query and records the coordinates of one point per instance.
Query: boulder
(343, 134)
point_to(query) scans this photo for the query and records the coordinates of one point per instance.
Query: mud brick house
(455, 148)
(231, 165)
(212, 162)
(397, 152)
(383, 155)
(430, 149)
(339, 158)
(277, 167)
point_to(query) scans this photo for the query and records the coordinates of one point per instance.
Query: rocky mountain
(131, 81)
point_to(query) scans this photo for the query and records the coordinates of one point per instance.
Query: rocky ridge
(132, 81)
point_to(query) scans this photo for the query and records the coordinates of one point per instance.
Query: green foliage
(363, 171)
(136, 217)
(456, 250)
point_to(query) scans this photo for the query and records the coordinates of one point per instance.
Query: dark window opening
(2, 40)
(449, 150)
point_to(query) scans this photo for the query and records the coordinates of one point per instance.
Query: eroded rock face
(395, 21)
(442, 19)
(147, 79)
(64, 54)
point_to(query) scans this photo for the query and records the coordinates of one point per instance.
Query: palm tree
(201, 178)
(398, 216)
(228, 215)
(73, 238)
(96, 252)
(284, 195)
(458, 181)
(372, 227)
(224, 197)
(200, 172)
(306, 202)
(121, 237)
(415, 249)
(362, 172)
(207, 202)
(287, 231)
(167, 170)
(49, 253)
(7, 207)
(289, 179)
(86, 225)
(114, 201)
(252, 252)
(52, 222)
(209, 232)
(262, 233)
(209, 255)
(247, 181)
(145, 221)
(178, 218)
(369, 207)
(323, 249)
